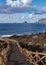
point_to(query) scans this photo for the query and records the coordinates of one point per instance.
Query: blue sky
(22, 10)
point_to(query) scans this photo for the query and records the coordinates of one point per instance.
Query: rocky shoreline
(11, 48)
(31, 39)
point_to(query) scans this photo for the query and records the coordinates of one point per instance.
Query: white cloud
(22, 17)
(43, 9)
(18, 2)
(26, 2)
(7, 18)
(30, 15)
(9, 2)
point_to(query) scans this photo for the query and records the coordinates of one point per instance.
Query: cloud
(27, 9)
(22, 17)
(13, 3)
(9, 10)
(30, 15)
(18, 2)
(7, 18)
(26, 2)
(43, 9)
(12, 8)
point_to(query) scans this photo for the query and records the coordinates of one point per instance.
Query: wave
(2, 36)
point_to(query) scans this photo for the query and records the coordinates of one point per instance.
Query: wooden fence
(34, 57)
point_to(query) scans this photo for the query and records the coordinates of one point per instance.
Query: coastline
(34, 38)
(40, 38)
(31, 39)
(15, 48)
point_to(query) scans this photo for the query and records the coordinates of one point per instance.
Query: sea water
(9, 29)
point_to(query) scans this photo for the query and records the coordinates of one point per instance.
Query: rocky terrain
(11, 48)
(31, 39)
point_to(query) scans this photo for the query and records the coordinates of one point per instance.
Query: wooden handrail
(32, 57)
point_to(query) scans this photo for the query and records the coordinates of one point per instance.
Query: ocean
(9, 29)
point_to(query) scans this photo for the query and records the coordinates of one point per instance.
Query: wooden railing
(34, 58)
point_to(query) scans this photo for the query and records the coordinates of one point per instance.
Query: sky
(19, 11)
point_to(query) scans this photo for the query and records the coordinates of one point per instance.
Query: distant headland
(43, 21)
